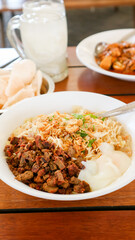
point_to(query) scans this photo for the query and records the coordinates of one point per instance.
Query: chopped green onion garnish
(103, 119)
(91, 115)
(78, 116)
(83, 151)
(93, 127)
(82, 133)
(83, 120)
(91, 141)
(50, 119)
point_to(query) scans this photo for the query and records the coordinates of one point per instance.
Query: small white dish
(47, 80)
(63, 102)
(50, 82)
(85, 50)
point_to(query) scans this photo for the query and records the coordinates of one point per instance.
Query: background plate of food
(115, 64)
(54, 146)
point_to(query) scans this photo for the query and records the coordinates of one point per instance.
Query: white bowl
(47, 80)
(85, 50)
(50, 82)
(63, 102)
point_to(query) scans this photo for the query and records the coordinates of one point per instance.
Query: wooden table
(109, 217)
(97, 3)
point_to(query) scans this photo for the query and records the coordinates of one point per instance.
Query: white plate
(85, 50)
(63, 102)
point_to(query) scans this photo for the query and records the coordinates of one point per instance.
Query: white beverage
(43, 28)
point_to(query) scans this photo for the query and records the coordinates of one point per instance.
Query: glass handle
(14, 24)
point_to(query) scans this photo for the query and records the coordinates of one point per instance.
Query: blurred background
(82, 22)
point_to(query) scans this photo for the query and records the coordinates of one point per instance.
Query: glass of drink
(43, 30)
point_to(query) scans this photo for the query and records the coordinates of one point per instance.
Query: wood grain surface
(68, 225)
(97, 3)
(83, 79)
(13, 199)
(16, 5)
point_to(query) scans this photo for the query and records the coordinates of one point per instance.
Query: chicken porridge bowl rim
(62, 102)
